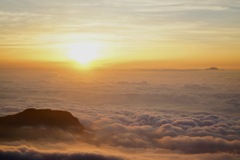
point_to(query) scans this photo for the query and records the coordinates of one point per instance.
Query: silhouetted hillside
(37, 121)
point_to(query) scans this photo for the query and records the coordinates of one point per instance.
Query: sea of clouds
(130, 114)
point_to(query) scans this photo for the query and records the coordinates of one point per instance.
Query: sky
(173, 33)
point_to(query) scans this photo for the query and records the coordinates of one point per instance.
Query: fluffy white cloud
(158, 113)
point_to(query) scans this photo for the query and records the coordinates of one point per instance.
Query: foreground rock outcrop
(39, 123)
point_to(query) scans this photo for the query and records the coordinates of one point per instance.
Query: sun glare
(84, 52)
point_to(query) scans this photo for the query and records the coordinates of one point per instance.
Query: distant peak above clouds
(213, 68)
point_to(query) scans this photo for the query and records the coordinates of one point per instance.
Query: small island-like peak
(213, 69)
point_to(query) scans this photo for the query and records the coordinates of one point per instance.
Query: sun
(84, 52)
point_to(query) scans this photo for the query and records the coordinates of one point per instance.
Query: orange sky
(150, 34)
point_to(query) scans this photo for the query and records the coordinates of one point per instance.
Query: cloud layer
(27, 154)
(187, 132)
(143, 115)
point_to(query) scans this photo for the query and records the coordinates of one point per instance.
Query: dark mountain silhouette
(36, 121)
(213, 68)
(41, 117)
